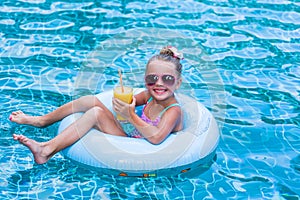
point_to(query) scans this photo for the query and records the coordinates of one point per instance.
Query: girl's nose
(159, 81)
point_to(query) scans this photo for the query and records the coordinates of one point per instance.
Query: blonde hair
(169, 54)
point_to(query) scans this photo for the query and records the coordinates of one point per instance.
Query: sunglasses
(167, 79)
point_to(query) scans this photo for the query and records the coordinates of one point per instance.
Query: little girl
(161, 115)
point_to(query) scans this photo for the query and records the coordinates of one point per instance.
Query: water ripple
(269, 33)
(288, 47)
(54, 8)
(7, 21)
(45, 47)
(33, 1)
(63, 6)
(224, 42)
(261, 12)
(246, 53)
(55, 24)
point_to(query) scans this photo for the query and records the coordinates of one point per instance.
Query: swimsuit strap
(170, 106)
(149, 100)
(164, 110)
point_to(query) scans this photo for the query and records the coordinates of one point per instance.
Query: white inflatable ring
(182, 151)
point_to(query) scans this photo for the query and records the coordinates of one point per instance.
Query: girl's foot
(21, 118)
(35, 147)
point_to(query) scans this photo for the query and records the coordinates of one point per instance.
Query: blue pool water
(242, 61)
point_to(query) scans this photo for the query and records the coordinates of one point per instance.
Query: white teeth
(159, 90)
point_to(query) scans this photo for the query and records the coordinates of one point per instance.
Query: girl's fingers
(117, 101)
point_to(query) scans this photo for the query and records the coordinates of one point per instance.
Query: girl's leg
(79, 105)
(96, 117)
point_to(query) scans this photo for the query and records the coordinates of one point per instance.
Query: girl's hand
(122, 108)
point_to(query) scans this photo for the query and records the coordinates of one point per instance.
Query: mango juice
(125, 96)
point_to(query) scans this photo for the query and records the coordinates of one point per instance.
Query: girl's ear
(178, 84)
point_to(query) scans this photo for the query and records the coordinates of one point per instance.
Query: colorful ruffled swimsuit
(135, 133)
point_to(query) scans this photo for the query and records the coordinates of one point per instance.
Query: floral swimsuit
(135, 133)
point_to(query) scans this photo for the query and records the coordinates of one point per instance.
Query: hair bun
(171, 51)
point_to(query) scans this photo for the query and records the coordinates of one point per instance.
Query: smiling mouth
(160, 90)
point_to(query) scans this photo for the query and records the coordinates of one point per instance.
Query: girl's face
(162, 79)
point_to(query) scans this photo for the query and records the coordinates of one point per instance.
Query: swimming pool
(241, 60)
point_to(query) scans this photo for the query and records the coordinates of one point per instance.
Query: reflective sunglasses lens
(168, 79)
(151, 79)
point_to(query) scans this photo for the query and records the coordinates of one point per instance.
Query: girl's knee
(97, 110)
(101, 113)
(95, 101)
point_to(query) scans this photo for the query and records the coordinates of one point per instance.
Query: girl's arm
(156, 134)
(142, 98)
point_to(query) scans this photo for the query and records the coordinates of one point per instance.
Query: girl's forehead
(161, 66)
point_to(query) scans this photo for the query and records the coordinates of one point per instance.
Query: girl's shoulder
(142, 97)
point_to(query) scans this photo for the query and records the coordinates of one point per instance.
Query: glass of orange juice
(124, 95)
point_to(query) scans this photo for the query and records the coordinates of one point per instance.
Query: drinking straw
(121, 81)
